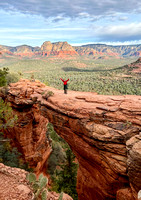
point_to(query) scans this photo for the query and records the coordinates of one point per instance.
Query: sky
(79, 22)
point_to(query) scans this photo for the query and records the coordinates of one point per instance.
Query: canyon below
(103, 131)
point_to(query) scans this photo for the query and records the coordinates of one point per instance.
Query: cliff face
(103, 132)
(59, 49)
(58, 46)
(29, 133)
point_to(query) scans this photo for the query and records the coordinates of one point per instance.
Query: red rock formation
(27, 54)
(29, 134)
(103, 132)
(59, 53)
(88, 51)
(46, 46)
(59, 49)
(58, 46)
(97, 53)
(135, 66)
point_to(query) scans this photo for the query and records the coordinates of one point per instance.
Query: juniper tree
(3, 73)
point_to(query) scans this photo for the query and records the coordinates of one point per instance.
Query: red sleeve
(68, 79)
(62, 79)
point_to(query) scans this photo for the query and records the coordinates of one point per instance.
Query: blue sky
(78, 22)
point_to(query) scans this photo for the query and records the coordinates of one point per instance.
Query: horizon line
(82, 44)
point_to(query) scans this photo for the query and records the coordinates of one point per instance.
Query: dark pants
(65, 89)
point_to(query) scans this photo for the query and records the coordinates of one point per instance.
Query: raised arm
(62, 79)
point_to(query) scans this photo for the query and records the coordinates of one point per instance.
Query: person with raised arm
(65, 85)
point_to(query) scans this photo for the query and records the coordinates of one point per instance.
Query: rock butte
(102, 131)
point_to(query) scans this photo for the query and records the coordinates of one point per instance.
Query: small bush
(12, 78)
(39, 186)
(48, 94)
(61, 196)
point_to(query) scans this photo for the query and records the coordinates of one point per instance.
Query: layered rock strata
(29, 132)
(103, 132)
(58, 49)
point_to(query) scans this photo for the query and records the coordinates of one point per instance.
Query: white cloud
(122, 33)
(15, 30)
(132, 42)
(124, 18)
(84, 14)
(69, 8)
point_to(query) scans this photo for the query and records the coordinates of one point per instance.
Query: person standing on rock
(65, 85)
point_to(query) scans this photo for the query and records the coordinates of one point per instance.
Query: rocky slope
(97, 53)
(103, 132)
(135, 66)
(14, 185)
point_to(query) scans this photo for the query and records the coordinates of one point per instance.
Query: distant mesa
(59, 49)
(63, 49)
(58, 46)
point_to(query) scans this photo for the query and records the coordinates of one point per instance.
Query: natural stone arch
(103, 146)
(103, 132)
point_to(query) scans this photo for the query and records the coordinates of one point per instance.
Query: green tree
(61, 165)
(66, 177)
(7, 118)
(58, 154)
(9, 156)
(3, 74)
